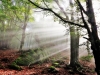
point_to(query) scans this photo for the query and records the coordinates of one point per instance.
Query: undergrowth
(86, 58)
(25, 59)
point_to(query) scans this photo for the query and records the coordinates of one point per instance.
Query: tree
(74, 35)
(26, 10)
(74, 40)
(8, 22)
(8, 17)
(89, 25)
(24, 15)
(14, 15)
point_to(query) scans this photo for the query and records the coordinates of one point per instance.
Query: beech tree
(9, 23)
(90, 25)
(74, 32)
(74, 39)
(26, 14)
(14, 15)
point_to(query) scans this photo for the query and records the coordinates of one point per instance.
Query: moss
(27, 57)
(86, 58)
(52, 69)
(56, 64)
(14, 66)
(23, 61)
(23, 55)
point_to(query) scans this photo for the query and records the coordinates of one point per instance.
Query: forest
(49, 37)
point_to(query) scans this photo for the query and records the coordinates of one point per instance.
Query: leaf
(13, 7)
(31, 19)
(83, 0)
(3, 16)
(48, 1)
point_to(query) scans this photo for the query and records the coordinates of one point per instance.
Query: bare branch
(86, 38)
(81, 7)
(57, 2)
(83, 19)
(45, 4)
(86, 25)
(61, 18)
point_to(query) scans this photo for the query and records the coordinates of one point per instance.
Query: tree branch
(86, 25)
(61, 18)
(45, 4)
(57, 2)
(81, 7)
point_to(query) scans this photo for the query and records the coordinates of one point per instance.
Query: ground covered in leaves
(47, 67)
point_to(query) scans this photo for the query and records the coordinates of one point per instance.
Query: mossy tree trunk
(74, 41)
(74, 45)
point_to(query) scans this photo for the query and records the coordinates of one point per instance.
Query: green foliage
(86, 58)
(56, 64)
(14, 12)
(14, 66)
(3, 16)
(23, 61)
(52, 69)
(83, 0)
(28, 57)
(14, 7)
(48, 1)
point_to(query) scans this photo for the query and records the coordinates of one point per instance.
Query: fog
(43, 33)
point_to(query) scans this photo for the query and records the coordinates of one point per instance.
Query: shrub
(14, 66)
(86, 58)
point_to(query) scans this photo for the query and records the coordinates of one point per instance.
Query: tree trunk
(23, 36)
(26, 14)
(74, 41)
(23, 32)
(74, 47)
(88, 48)
(77, 45)
(94, 39)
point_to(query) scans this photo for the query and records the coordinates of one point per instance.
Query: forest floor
(8, 56)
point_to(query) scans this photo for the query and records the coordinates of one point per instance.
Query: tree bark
(94, 39)
(88, 48)
(23, 36)
(74, 41)
(26, 18)
(74, 36)
(74, 45)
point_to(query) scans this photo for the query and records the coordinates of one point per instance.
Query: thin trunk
(88, 48)
(23, 36)
(25, 25)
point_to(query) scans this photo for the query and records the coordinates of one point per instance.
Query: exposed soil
(8, 56)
